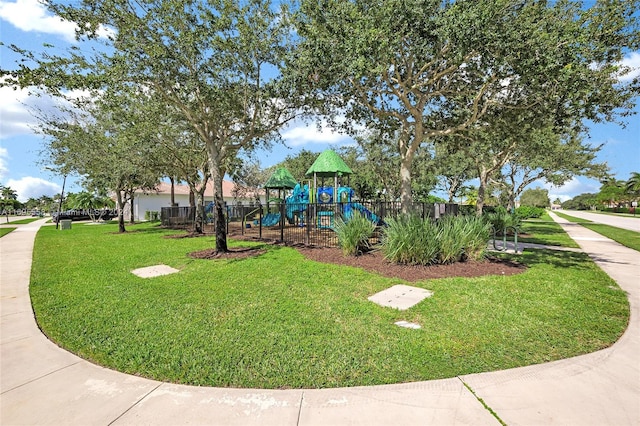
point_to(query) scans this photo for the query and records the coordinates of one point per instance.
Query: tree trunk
(405, 185)
(120, 202)
(196, 201)
(511, 205)
(173, 192)
(217, 176)
(482, 189)
(130, 195)
(407, 152)
(221, 223)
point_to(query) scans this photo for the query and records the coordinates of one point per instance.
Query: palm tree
(92, 203)
(9, 194)
(632, 186)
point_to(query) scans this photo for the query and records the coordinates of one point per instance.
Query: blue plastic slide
(366, 213)
(271, 219)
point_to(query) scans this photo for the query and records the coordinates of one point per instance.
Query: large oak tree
(431, 68)
(216, 63)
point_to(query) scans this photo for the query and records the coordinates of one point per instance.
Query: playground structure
(329, 201)
(304, 212)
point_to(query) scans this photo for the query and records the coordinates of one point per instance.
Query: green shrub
(416, 241)
(410, 239)
(474, 235)
(500, 220)
(450, 230)
(354, 234)
(528, 212)
(151, 216)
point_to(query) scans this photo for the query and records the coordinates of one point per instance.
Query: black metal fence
(176, 217)
(304, 223)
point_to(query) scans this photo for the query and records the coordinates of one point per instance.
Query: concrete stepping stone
(154, 271)
(400, 296)
(407, 324)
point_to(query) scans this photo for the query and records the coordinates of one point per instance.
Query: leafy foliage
(536, 197)
(354, 233)
(485, 70)
(528, 212)
(409, 239)
(500, 220)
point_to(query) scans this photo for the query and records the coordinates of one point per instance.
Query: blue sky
(27, 24)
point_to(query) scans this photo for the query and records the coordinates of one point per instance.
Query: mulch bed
(233, 253)
(375, 262)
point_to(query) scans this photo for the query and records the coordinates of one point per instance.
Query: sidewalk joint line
(134, 404)
(43, 376)
(481, 401)
(300, 409)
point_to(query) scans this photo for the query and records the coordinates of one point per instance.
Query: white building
(154, 200)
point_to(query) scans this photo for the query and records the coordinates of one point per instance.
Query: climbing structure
(281, 180)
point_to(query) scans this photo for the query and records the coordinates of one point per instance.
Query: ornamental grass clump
(412, 240)
(474, 236)
(354, 234)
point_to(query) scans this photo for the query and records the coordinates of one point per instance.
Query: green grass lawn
(5, 231)
(281, 321)
(24, 221)
(625, 237)
(572, 218)
(545, 231)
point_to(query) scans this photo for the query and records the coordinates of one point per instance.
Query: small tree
(537, 197)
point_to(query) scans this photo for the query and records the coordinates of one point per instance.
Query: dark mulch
(233, 253)
(375, 262)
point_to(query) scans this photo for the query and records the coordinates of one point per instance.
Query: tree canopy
(427, 68)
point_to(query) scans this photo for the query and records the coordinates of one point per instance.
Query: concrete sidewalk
(43, 384)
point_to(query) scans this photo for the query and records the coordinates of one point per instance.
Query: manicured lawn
(281, 321)
(5, 231)
(24, 221)
(545, 231)
(625, 237)
(572, 218)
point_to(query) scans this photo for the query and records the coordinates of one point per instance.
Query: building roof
(281, 179)
(329, 164)
(179, 189)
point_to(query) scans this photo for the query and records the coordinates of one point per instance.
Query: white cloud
(571, 189)
(33, 187)
(16, 118)
(31, 15)
(632, 61)
(17, 105)
(4, 156)
(309, 134)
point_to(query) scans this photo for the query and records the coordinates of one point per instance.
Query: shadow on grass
(557, 259)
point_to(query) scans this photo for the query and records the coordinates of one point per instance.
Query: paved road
(630, 223)
(43, 384)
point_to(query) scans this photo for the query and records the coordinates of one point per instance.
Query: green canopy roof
(329, 164)
(281, 179)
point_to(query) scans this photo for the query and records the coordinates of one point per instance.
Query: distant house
(154, 200)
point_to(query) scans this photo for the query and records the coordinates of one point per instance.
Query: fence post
(307, 212)
(282, 213)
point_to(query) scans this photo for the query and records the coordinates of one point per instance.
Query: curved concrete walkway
(43, 384)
